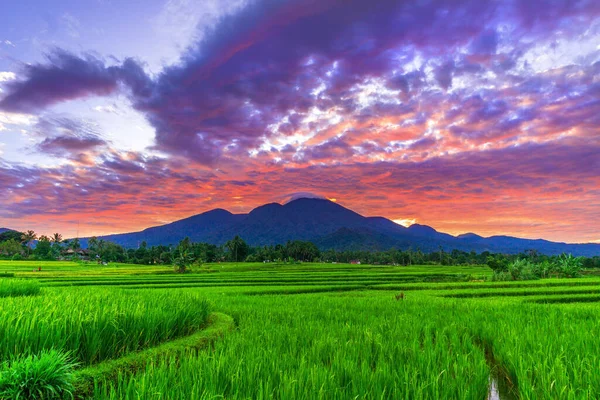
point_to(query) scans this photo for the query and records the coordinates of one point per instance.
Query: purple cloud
(65, 137)
(274, 59)
(66, 77)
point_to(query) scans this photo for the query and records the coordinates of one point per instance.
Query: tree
(56, 244)
(27, 238)
(93, 243)
(10, 248)
(43, 249)
(57, 238)
(238, 248)
(75, 244)
(8, 235)
(497, 264)
(302, 251)
(182, 261)
(569, 266)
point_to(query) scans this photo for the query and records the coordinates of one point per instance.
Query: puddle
(493, 392)
(500, 385)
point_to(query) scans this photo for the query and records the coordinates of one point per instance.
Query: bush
(569, 266)
(566, 266)
(48, 375)
(518, 270)
(543, 270)
(497, 264)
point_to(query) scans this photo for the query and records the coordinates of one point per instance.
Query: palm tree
(238, 248)
(75, 244)
(57, 238)
(27, 238)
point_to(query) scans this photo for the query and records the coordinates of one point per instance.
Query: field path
(218, 325)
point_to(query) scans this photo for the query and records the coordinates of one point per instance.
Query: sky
(468, 116)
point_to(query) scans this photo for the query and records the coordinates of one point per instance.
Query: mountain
(2, 230)
(199, 228)
(330, 226)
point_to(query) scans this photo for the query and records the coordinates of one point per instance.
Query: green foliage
(74, 244)
(332, 330)
(183, 261)
(18, 287)
(497, 263)
(44, 250)
(302, 251)
(27, 239)
(184, 258)
(131, 363)
(10, 248)
(568, 266)
(322, 347)
(238, 249)
(96, 324)
(565, 266)
(542, 269)
(48, 375)
(10, 235)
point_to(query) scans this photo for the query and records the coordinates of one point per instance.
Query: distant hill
(7, 234)
(330, 226)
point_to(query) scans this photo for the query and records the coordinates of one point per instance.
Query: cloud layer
(428, 110)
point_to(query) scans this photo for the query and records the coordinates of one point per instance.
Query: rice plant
(96, 324)
(18, 287)
(48, 375)
(310, 346)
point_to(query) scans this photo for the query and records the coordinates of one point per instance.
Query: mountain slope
(199, 228)
(330, 226)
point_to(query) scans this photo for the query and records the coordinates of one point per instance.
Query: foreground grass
(331, 332)
(11, 287)
(368, 345)
(310, 346)
(96, 325)
(87, 378)
(48, 375)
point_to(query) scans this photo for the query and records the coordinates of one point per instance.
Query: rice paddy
(307, 331)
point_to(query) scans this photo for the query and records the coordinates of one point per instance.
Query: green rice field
(301, 331)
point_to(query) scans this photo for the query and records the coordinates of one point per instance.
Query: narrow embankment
(85, 379)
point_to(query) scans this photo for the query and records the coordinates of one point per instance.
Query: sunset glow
(472, 116)
(406, 222)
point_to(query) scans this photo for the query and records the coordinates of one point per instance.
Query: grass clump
(18, 287)
(48, 375)
(85, 379)
(97, 325)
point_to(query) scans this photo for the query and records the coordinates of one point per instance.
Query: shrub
(542, 270)
(568, 266)
(48, 375)
(497, 264)
(518, 270)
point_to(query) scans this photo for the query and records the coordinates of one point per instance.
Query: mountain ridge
(330, 225)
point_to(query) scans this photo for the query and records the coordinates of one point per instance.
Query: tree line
(27, 245)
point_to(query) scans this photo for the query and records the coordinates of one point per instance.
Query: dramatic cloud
(420, 109)
(68, 77)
